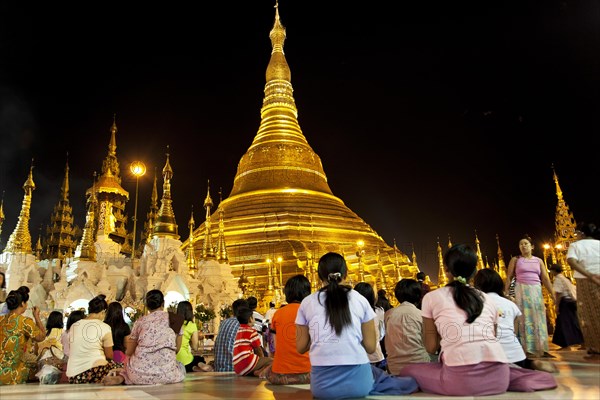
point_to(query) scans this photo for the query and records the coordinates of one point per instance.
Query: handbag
(52, 356)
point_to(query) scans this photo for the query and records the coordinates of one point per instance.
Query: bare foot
(544, 366)
(201, 367)
(112, 380)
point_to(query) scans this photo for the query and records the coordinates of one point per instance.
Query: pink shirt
(463, 343)
(527, 270)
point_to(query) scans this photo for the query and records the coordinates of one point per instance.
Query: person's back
(225, 339)
(289, 366)
(404, 328)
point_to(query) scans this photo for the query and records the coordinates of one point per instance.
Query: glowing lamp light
(137, 168)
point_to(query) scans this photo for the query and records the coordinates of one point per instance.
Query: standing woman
(566, 329)
(15, 331)
(530, 273)
(584, 257)
(337, 325)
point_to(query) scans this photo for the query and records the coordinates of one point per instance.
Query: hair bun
(101, 296)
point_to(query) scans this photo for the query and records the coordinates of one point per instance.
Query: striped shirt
(244, 358)
(224, 345)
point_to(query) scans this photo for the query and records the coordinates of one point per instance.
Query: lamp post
(359, 253)
(138, 169)
(279, 260)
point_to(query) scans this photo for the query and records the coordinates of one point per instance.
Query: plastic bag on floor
(48, 375)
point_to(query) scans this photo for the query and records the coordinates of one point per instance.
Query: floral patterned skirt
(95, 375)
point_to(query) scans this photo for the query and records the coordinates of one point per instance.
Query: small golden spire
(501, 265)
(207, 246)
(19, 241)
(222, 256)
(191, 256)
(112, 145)
(442, 277)
(64, 190)
(2, 216)
(480, 264)
(86, 249)
(165, 224)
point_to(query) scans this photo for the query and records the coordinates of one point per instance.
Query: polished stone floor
(577, 378)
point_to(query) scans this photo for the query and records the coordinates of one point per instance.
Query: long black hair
(489, 281)
(184, 308)
(461, 262)
(55, 320)
(332, 269)
(366, 290)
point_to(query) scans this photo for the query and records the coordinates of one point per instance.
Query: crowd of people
(344, 341)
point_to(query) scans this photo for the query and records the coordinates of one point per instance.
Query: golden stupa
(281, 215)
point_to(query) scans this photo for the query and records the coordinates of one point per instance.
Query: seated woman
(289, 367)
(120, 330)
(189, 342)
(64, 338)
(91, 345)
(152, 349)
(54, 329)
(15, 331)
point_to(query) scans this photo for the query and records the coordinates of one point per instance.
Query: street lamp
(138, 169)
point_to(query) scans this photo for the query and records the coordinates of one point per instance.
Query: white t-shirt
(463, 343)
(505, 331)
(377, 355)
(87, 340)
(326, 347)
(586, 251)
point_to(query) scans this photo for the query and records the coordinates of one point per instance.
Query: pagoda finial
(222, 255)
(112, 145)
(19, 241)
(86, 249)
(64, 190)
(165, 224)
(191, 256)
(559, 192)
(480, 264)
(442, 277)
(2, 216)
(207, 247)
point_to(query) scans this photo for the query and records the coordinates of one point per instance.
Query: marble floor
(577, 379)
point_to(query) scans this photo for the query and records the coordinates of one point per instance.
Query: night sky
(430, 119)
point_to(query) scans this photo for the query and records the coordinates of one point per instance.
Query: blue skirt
(351, 381)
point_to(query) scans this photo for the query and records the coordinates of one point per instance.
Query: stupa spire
(501, 265)
(110, 166)
(442, 277)
(207, 246)
(165, 224)
(2, 216)
(480, 264)
(151, 215)
(86, 249)
(19, 241)
(61, 233)
(222, 256)
(564, 221)
(190, 255)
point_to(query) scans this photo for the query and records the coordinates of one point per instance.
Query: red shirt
(244, 358)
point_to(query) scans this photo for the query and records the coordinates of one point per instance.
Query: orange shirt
(287, 360)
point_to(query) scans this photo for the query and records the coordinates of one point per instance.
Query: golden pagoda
(501, 265)
(564, 234)
(111, 197)
(281, 204)
(19, 241)
(86, 249)
(442, 276)
(62, 234)
(480, 264)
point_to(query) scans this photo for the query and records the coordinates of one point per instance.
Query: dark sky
(430, 119)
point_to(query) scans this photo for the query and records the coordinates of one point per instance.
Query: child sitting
(248, 356)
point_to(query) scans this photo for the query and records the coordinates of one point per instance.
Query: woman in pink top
(462, 320)
(530, 273)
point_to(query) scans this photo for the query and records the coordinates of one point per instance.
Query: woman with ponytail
(337, 325)
(462, 320)
(15, 332)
